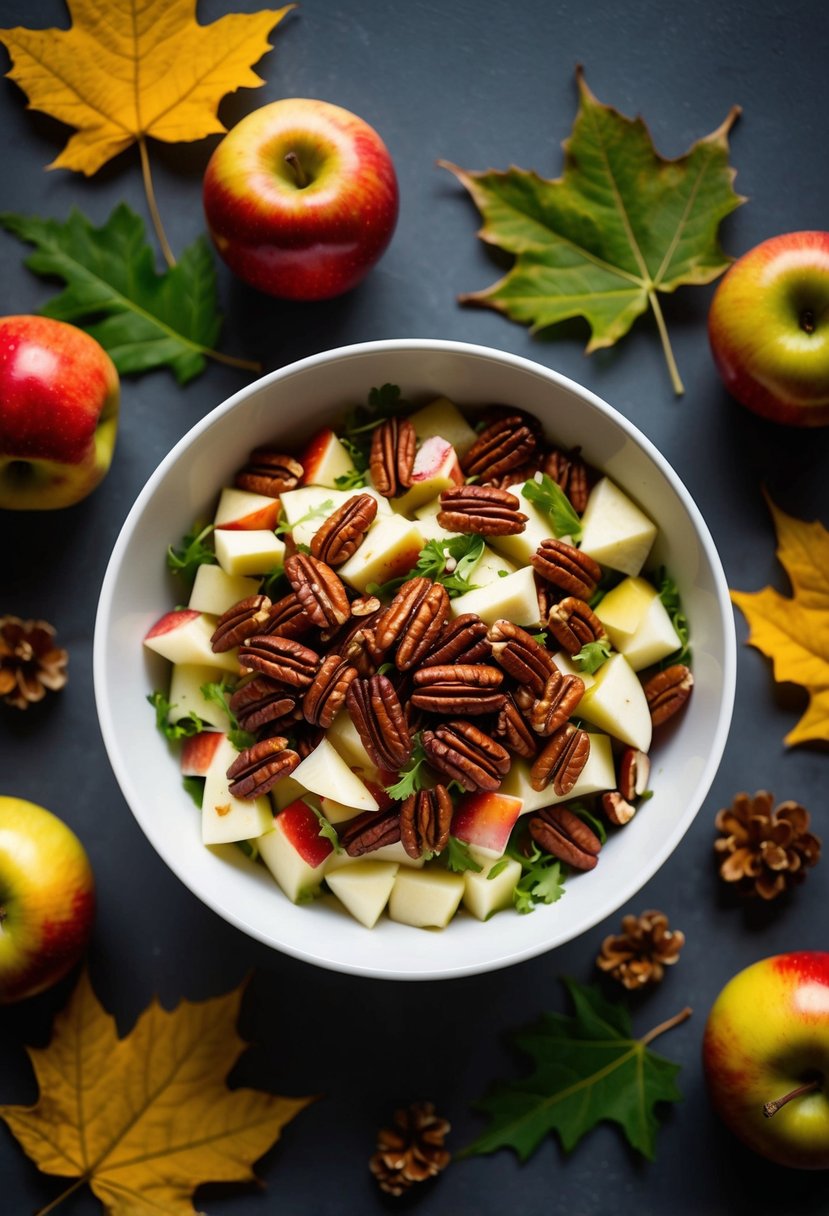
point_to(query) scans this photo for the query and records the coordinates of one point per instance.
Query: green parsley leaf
(383, 402)
(669, 594)
(549, 496)
(327, 828)
(192, 552)
(540, 637)
(450, 562)
(184, 728)
(457, 858)
(410, 777)
(324, 508)
(353, 480)
(541, 882)
(219, 693)
(195, 788)
(498, 868)
(592, 655)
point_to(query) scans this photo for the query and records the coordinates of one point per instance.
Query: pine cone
(764, 850)
(30, 662)
(639, 954)
(411, 1150)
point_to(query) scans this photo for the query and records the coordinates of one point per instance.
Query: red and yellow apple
(766, 1057)
(769, 329)
(301, 199)
(47, 899)
(59, 395)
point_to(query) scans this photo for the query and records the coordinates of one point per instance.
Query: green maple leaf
(588, 1067)
(113, 291)
(621, 226)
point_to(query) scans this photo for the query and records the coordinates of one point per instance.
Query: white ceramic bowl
(286, 406)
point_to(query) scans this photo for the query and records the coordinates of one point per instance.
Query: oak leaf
(146, 1118)
(621, 226)
(793, 631)
(126, 70)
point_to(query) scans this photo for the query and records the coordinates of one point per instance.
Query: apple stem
(679, 387)
(676, 1020)
(169, 256)
(807, 321)
(771, 1108)
(301, 177)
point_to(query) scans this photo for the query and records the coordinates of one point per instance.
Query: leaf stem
(771, 1108)
(169, 256)
(679, 387)
(250, 365)
(676, 1020)
(50, 1207)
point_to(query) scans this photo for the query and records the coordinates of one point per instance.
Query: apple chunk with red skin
(768, 327)
(47, 899)
(484, 820)
(767, 1039)
(295, 852)
(59, 395)
(301, 199)
(324, 459)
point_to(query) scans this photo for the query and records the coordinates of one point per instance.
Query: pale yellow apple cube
(598, 775)
(390, 549)
(513, 597)
(345, 737)
(324, 772)
(442, 417)
(614, 531)
(616, 703)
(243, 509)
(183, 636)
(426, 899)
(306, 509)
(225, 818)
(364, 888)
(538, 527)
(186, 694)
(251, 551)
(214, 590)
(482, 895)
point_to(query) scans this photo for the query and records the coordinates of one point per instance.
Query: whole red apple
(766, 1057)
(59, 395)
(47, 899)
(301, 199)
(769, 329)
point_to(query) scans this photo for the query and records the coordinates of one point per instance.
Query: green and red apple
(766, 1057)
(769, 329)
(301, 199)
(59, 396)
(47, 899)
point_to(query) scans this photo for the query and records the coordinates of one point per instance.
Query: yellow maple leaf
(146, 1118)
(793, 631)
(126, 70)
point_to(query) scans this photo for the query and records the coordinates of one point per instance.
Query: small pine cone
(30, 662)
(764, 849)
(411, 1150)
(639, 954)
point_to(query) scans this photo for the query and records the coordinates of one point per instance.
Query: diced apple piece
(324, 459)
(389, 852)
(287, 790)
(490, 567)
(436, 467)
(569, 667)
(197, 752)
(224, 817)
(430, 529)
(346, 739)
(307, 508)
(614, 531)
(598, 775)
(483, 896)
(183, 636)
(186, 694)
(295, 852)
(324, 772)
(427, 899)
(251, 552)
(513, 597)
(240, 510)
(616, 703)
(483, 821)
(364, 888)
(442, 417)
(638, 623)
(336, 811)
(214, 590)
(390, 549)
(538, 527)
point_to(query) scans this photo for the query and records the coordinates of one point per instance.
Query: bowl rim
(602, 909)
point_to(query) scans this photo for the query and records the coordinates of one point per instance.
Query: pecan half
(269, 472)
(519, 654)
(567, 567)
(573, 624)
(512, 728)
(568, 470)
(325, 697)
(283, 659)
(634, 770)
(617, 809)
(369, 831)
(414, 621)
(260, 702)
(287, 618)
(464, 753)
(342, 533)
(258, 768)
(463, 640)
(380, 721)
(356, 643)
(393, 445)
(561, 760)
(484, 510)
(557, 703)
(504, 445)
(425, 819)
(464, 688)
(667, 691)
(558, 831)
(240, 621)
(319, 590)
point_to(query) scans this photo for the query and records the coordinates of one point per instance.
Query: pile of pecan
(473, 696)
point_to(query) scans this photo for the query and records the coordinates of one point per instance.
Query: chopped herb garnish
(457, 858)
(669, 594)
(219, 693)
(549, 496)
(195, 788)
(183, 728)
(449, 562)
(192, 552)
(591, 656)
(324, 508)
(541, 881)
(410, 777)
(498, 868)
(327, 828)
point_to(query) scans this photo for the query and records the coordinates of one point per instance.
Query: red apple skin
(768, 327)
(314, 453)
(485, 819)
(47, 899)
(768, 1032)
(302, 830)
(301, 242)
(59, 397)
(197, 752)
